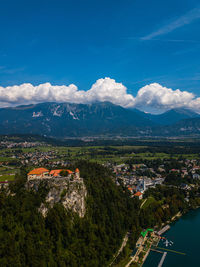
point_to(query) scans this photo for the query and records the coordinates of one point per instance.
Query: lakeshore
(185, 236)
(149, 243)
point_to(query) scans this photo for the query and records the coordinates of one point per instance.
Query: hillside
(62, 238)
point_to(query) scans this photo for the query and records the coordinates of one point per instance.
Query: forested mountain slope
(63, 238)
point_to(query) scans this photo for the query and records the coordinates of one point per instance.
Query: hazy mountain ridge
(185, 127)
(172, 116)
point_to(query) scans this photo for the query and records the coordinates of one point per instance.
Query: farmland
(11, 159)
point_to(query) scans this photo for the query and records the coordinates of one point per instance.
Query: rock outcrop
(70, 192)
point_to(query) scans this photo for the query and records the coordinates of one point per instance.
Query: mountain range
(103, 118)
(172, 116)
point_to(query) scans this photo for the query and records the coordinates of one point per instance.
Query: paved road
(143, 203)
(122, 246)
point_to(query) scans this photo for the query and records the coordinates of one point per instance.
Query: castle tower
(77, 174)
(144, 184)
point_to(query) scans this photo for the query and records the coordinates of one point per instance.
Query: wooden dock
(153, 249)
(164, 229)
(162, 259)
(170, 250)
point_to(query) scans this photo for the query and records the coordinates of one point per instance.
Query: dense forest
(62, 238)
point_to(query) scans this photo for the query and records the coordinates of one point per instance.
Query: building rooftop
(38, 171)
(55, 172)
(138, 194)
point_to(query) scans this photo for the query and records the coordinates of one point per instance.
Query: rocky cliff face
(70, 192)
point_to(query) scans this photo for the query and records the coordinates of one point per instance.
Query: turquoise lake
(185, 233)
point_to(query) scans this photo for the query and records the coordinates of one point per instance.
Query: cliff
(70, 192)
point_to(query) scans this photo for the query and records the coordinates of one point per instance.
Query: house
(194, 169)
(38, 173)
(138, 194)
(195, 176)
(185, 187)
(120, 168)
(158, 181)
(55, 173)
(160, 169)
(184, 172)
(174, 170)
(138, 166)
(130, 189)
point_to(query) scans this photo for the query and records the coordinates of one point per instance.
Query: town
(139, 177)
(136, 171)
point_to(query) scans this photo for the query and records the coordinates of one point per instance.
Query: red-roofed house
(130, 189)
(55, 173)
(38, 173)
(174, 170)
(138, 194)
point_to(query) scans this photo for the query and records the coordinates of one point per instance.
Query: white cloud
(187, 18)
(108, 90)
(156, 96)
(150, 97)
(103, 90)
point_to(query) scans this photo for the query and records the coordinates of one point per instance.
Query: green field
(6, 177)
(100, 154)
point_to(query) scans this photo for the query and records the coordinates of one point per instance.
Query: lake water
(185, 233)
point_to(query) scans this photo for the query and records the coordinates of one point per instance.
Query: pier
(155, 250)
(162, 259)
(170, 250)
(164, 229)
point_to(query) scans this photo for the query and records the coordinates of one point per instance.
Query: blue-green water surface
(185, 233)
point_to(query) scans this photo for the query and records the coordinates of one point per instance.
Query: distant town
(150, 170)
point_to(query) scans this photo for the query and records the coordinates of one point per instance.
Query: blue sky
(136, 43)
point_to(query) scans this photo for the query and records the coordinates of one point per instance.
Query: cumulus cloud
(27, 93)
(102, 90)
(152, 96)
(109, 90)
(157, 96)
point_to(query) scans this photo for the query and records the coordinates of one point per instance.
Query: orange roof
(55, 172)
(77, 170)
(38, 171)
(59, 171)
(138, 194)
(129, 188)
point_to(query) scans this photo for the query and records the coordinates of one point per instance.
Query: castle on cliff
(43, 173)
